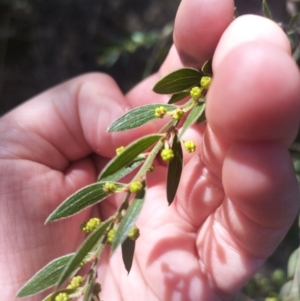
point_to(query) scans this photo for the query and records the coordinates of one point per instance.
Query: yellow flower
(134, 233)
(167, 154)
(160, 112)
(190, 146)
(135, 186)
(62, 297)
(196, 93)
(205, 81)
(178, 114)
(110, 187)
(75, 282)
(119, 150)
(90, 225)
(111, 236)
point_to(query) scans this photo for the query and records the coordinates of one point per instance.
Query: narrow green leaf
(207, 68)
(266, 10)
(128, 247)
(174, 170)
(178, 81)
(124, 171)
(178, 96)
(90, 287)
(81, 199)
(202, 117)
(129, 154)
(89, 243)
(137, 117)
(129, 219)
(46, 277)
(293, 20)
(194, 115)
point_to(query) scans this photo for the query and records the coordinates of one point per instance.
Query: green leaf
(174, 170)
(46, 277)
(202, 117)
(285, 292)
(124, 171)
(129, 154)
(128, 247)
(91, 287)
(266, 10)
(81, 199)
(89, 243)
(178, 81)
(137, 117)
(194, 115)
(178, 96)
(292, 264)
(293, 20)
(129, 219)
(207, 68)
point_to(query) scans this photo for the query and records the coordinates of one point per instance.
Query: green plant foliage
(122, 172)
(129, 154)
(292, 264)
(80, 200)
(174, 170)
(178, 81)
(266, 10)
(46, 277)
(128, 247)
(87, 246)
(178, 96)
(137, 117)
(129, 219)
(207, 68)
(193, 117)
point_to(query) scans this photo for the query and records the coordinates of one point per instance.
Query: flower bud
(205, 81)
(134, 233)
(90, 225)
(75, 282)
(190, 146)
(135, 186)
(62, 297)
(167, 154)
(196, 93)
(119, 150)
(178, 114)
(160, 112)
(110, 187)
(111, 236)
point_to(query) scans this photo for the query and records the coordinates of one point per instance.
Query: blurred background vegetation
(43, 43)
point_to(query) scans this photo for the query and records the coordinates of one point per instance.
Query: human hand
(236, 200)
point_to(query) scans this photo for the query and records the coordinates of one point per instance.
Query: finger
(261, 203)
(254, 97)
(67, 123)
(250, 28)
(256, 86)
(198, 28)
(196, 34)
(249, 146)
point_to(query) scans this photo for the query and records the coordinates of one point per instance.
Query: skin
(238, 195)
